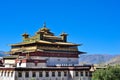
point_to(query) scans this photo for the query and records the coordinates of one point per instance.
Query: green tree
(109, 73)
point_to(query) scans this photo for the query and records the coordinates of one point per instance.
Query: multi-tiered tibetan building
(44, 56)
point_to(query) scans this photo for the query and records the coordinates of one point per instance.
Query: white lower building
(49, 73)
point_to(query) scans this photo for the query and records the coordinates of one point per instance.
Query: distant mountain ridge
(2, 54)
(95, 58)
(113, 61)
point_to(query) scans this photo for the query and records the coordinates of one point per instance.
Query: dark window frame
(40, 74)
(19, 74)
(86, 73)
(26, 74)
(33, 74)
(59, 74)
(81, 73)
(65, 73)
(47, 74)
(76, 73)
(53, 74)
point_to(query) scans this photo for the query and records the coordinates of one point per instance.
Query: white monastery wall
(57, 60)
(49, 76)
(31, 65)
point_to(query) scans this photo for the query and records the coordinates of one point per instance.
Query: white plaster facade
(47, 75)
(31, 65)
(52, 61)
(9, 62)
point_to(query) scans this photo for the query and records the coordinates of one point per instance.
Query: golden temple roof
(46, 42)
(44, 36)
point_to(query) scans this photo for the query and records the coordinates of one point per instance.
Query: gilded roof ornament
(25, 34)
(63, 33)
(45, 29)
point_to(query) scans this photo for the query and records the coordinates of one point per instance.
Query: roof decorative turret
(64, 36)
(25, 36)
(44, 29)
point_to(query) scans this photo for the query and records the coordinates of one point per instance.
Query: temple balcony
(58, 48)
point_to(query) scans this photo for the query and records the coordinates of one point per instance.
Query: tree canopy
(109, 73)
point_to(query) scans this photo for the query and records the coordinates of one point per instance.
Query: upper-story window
(27, 74)
(40, 74)
(59, 74)
(81, 73)
(33, 74)
(86, 73)
(53, 74)
(90, 74)
(47, 74)
(65, 73)
(19, 74)
(76, 73)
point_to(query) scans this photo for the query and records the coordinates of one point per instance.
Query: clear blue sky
(94, 23)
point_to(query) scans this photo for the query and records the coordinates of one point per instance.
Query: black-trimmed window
(76, 73)
(47, 74)
(33, 74)
(81, 73)
(40, 74)
(26, 74)
(90, 74)
(59, 74)
(65, 73)
(86, 73)
(19, 74)
(53, 74)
